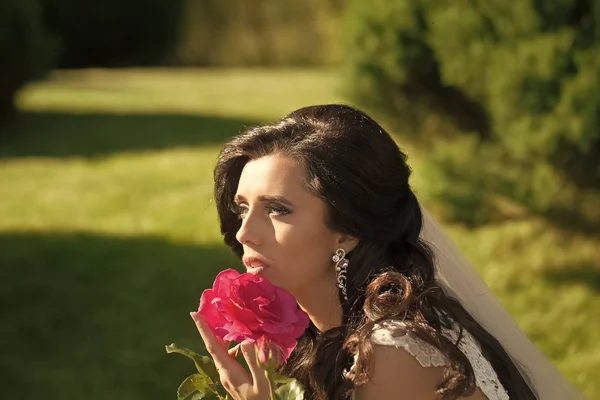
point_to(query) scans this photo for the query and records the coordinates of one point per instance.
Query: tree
(113, 33)
(518, 80)
(26, 49)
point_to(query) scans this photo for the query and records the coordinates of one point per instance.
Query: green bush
(26, 49)
(260, 32)
(113, 32)
(518, 80)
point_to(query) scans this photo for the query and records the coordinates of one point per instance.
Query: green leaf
(290, 391)
(196, 385)
(205, 365)
(278, 378)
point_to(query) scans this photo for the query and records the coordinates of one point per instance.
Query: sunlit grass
(249, 93)
(108, 233)
(165, 193)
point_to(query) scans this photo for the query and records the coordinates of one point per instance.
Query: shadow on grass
(87, 316)
(91, 135)
(584, 274)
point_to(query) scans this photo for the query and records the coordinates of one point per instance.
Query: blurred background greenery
(112, 115)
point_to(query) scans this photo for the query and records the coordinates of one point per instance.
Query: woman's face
(283, 231)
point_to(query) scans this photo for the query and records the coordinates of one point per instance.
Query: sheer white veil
(459, 279)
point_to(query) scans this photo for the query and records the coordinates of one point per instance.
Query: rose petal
(236, 331)
(208, 311)
(248, 307)
(223, 282)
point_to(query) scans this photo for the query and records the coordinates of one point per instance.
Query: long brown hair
(354, 165)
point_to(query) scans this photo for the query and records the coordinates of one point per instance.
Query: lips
(254, 264)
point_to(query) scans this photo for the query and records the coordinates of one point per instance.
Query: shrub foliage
(516, 85)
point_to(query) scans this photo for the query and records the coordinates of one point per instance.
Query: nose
(247, 234)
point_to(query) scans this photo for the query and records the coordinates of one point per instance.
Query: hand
(234, 378)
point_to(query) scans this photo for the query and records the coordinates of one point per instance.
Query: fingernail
(193, 314)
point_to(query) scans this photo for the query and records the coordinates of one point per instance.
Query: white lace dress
(392, 333)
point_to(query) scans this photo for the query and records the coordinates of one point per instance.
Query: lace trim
(392, 333)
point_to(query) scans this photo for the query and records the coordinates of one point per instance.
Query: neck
(321, 302)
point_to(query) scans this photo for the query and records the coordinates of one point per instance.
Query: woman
(319, 203)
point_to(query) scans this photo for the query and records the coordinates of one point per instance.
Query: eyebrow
(266, 199)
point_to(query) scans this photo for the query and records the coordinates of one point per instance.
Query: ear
(346, 242)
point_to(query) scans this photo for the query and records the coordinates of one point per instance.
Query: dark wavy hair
(354, 165)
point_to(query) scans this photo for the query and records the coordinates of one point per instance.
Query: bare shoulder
(398, 375)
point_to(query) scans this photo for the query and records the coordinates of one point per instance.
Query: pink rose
(247, 307)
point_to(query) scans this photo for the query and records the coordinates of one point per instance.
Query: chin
(273, 279)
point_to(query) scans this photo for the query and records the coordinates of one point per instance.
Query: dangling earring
(341, 269)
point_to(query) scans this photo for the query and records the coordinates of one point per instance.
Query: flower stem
(271, 385)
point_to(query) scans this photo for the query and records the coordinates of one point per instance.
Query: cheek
(308, 251)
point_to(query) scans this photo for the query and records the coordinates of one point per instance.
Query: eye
(276, 209)
(239, 209)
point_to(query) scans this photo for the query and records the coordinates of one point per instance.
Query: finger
(234, 351)
(259, 377)
(226, 365)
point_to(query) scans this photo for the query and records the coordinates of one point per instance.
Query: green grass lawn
(108, 233)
